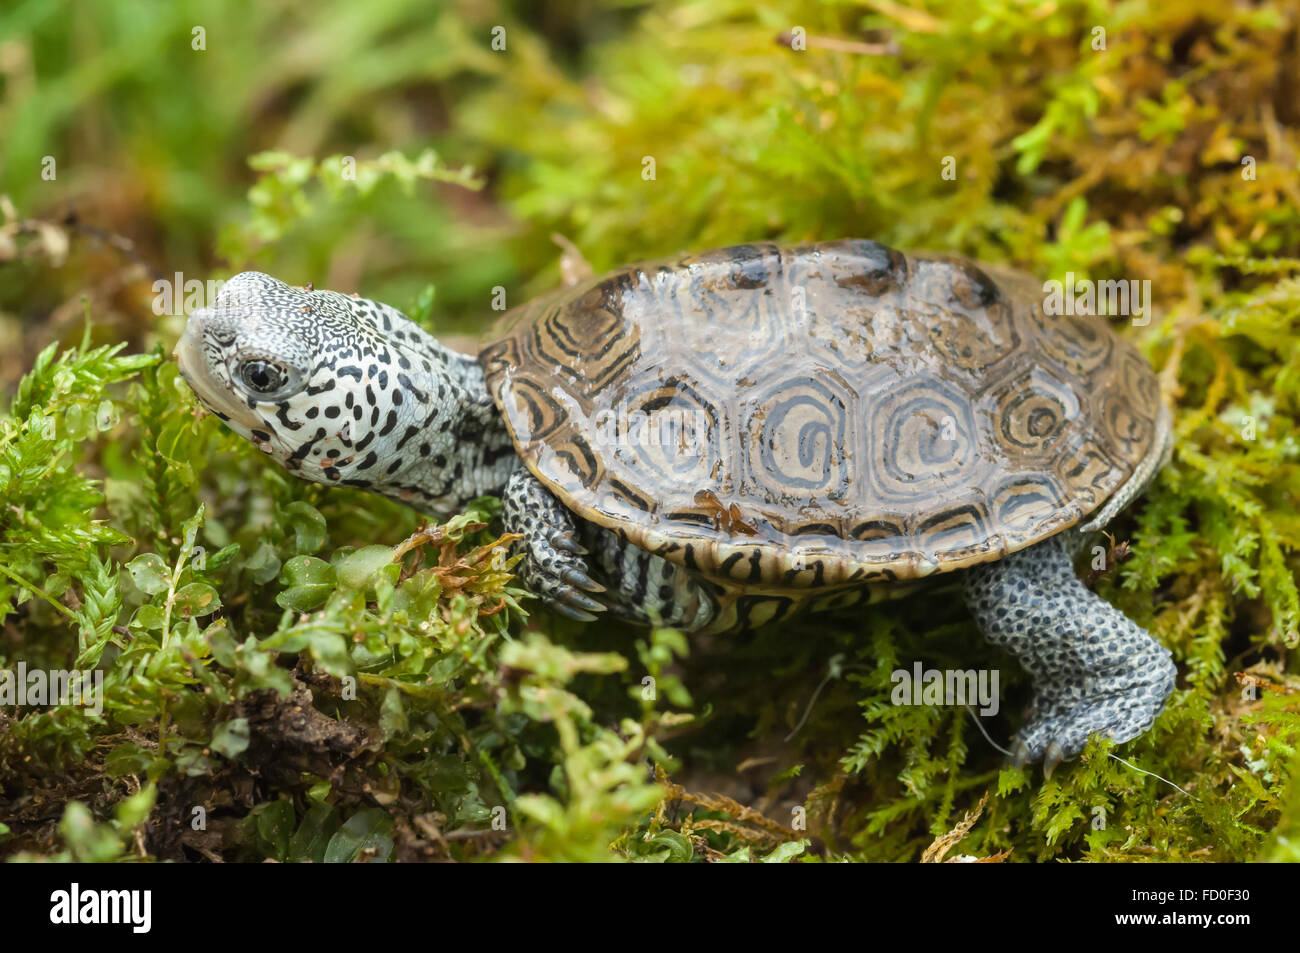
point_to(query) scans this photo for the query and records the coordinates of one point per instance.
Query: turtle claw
(576, 577)
(554, 567)
(567, 542)
(574, 599)
(569, 613)
(1020, 754)
(1051, 758)
(560, 579)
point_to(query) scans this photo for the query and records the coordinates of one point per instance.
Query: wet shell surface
(820, 414)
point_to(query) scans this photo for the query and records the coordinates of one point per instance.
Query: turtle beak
(194, 366)
(185, 347)
(188, 351)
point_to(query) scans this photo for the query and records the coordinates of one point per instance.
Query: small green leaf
(313, 835)
(309, 528)
(421, 311)
(392, 715)
(356, 569)
(369, 828)
(264, 564)
(230, 738)
(127, 759)
(134, 811)
(197, 599)
(275, 826)
(679, 848)
(310, 582)
(786, 852)
(149, 573)
(148, 617)
(222, 556)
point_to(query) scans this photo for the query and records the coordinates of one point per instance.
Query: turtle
(716, 441)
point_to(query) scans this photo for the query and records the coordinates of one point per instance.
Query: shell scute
(863, 414)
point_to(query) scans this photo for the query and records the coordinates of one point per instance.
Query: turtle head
(250, 350)
(338, 389)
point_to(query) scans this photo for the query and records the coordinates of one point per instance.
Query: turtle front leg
(644, 588)
(553, 568)
(1094, 670)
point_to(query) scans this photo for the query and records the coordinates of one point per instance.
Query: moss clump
(313, 690)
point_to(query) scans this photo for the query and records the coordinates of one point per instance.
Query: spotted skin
(366, 397)
(348, 392)
(1094, 670)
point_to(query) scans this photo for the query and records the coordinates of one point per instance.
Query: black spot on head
(408, 385)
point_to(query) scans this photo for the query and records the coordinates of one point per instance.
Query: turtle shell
(821, 414)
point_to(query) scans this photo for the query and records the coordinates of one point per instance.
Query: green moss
(440, 721)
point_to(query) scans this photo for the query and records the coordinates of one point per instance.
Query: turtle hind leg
(1094, 670)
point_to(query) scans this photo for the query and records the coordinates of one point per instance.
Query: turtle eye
(266, 380)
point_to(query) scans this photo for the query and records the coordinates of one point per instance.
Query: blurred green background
(1065, 156)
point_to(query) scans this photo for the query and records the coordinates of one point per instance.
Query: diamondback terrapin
(714, 441)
